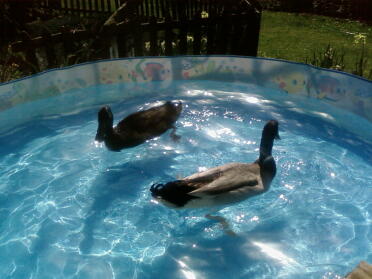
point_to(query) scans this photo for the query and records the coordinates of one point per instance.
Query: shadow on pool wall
(146, 75)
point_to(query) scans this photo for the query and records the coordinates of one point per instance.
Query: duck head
(178, 106)
(271, 130)
(105, 123)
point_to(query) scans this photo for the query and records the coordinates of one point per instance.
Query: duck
(226, 184)
(137, 127)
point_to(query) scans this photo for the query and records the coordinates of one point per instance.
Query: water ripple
(73, 209)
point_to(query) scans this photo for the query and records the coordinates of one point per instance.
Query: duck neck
(266, 162)
(109, 133)
(112, 140)
(266, 147)
(105, 131)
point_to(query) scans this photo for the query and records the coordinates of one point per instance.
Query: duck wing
(234, 177)
(160, 117)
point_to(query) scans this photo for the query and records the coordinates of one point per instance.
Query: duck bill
(277, 137)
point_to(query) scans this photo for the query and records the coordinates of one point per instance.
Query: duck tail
(173, 193)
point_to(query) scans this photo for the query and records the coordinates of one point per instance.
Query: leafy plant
(10, 66)
(328, 58)
(361, 63)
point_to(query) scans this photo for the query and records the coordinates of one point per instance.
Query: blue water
(69, 208)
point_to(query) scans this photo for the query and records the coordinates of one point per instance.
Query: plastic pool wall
(147, 75)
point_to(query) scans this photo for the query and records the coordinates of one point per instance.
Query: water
(69, 208)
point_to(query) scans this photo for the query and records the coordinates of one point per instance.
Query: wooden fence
(153, 27)
(82, 7)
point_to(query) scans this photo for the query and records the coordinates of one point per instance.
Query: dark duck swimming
(137, 127)
(224, 184)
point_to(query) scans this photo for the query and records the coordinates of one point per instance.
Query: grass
(297, 37)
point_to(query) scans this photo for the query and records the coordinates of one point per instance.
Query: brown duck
(137, 127)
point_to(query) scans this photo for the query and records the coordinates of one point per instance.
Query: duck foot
(225, 225)
(173, 135)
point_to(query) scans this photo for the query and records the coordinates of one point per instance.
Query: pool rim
(182, 56)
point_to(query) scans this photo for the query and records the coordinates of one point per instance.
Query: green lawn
(296, 37)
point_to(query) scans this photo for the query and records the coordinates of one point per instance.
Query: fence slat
(168, 37)
(161, 9)
(153, 37)
(182, 7)
(138, 42)
(183, 39)
(145, 8)
(236, 36)
(77, 7)
(157, 14)
(251, 34)
(211, 32)
(84, 7)
(197, 36)
(140, 10)
(97, 7)
(149, 7)
(65, 4)
(122, 44)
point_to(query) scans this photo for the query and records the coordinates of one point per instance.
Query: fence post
(223, 28)
(138, 39)
(236, 45)
(121, 38)
(196, 26)
(251, 34)
(168, 36)
(153, 37)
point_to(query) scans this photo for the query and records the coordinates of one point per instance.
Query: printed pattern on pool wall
(339, 89)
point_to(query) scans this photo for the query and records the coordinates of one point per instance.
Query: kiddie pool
(72, 209)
